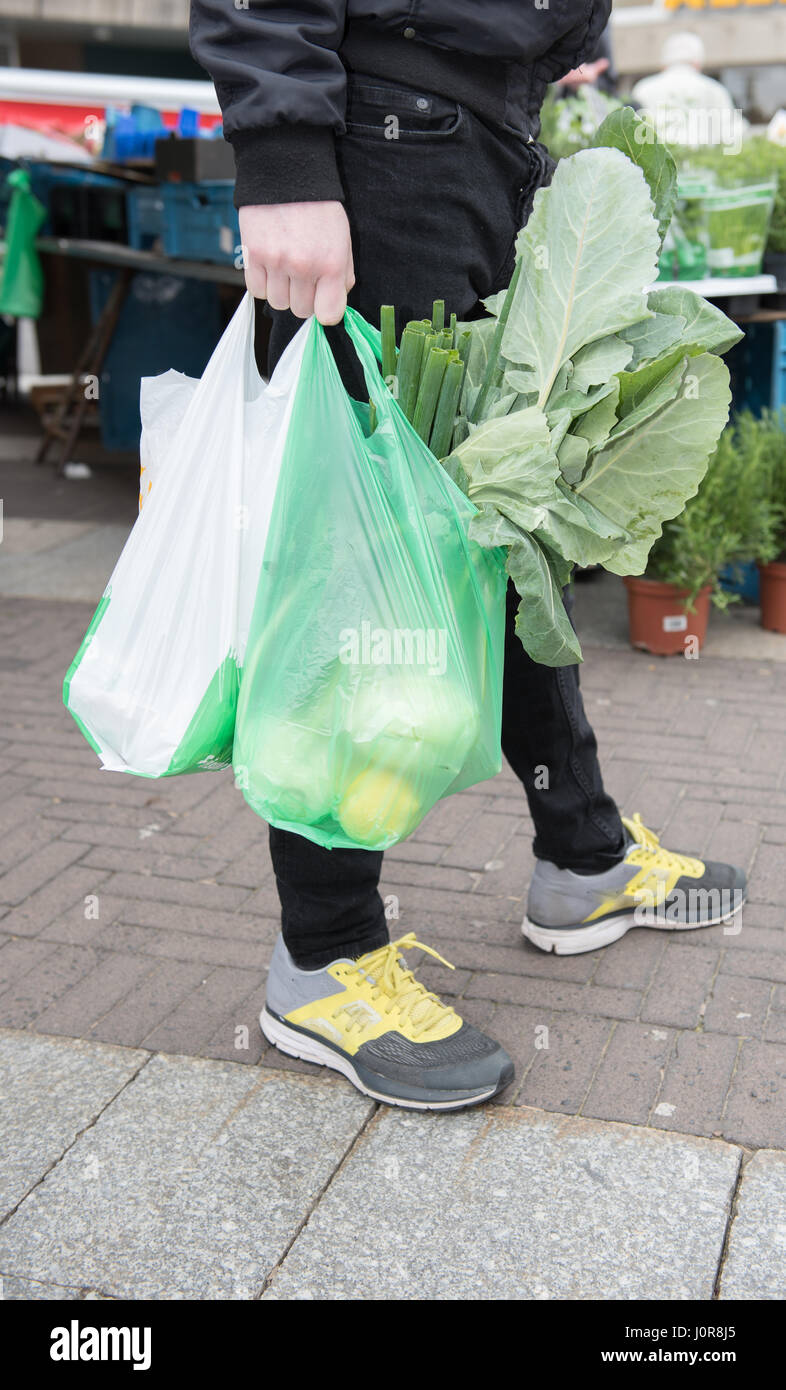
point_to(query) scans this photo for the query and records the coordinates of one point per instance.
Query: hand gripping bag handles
(372, 684)
(154, 684)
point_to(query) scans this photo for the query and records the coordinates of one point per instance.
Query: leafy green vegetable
(509, 464)
(651, 337)
(707, 329)
(541, 622)
(596, 363)
(624, 130)
(572, 455)
(644, 476)
(648, 388)
(596, 426)
(620, 398)
(590, 402)
(572, 525)
(581, 284)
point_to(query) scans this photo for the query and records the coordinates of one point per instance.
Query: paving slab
(76, 567)
(150, 852)
(51, 1090)
(31, 535)
(190, 1186)
(34, 1290)
(755, 1265)
(503, 1204)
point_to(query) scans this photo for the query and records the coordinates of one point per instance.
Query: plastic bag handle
(367, 342)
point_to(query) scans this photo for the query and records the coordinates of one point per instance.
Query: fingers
(301, 296)
(327, 298)
(330, 299)
(277, 289)
(256, 277)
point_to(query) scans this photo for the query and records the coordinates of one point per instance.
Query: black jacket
(280, 71)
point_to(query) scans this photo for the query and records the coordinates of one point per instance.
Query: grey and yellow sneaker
(651, 887)
(373, 1021)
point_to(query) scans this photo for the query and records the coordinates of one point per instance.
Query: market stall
(134, 266)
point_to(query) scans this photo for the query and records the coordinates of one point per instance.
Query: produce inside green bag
(372, 680)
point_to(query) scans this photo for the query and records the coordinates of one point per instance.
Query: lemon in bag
(379, 806)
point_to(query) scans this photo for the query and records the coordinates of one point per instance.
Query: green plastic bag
(22, 281)
(373, 677)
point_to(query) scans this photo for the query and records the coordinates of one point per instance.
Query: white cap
(683, 48)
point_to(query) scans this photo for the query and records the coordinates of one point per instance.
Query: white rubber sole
(574, 941)
(297, 1044)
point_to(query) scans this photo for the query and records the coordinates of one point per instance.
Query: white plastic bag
(153, 686)
(163, 401)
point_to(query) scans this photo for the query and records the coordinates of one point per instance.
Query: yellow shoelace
(389, 977)
(662, 859)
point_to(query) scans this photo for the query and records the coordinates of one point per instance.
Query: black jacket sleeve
(281, 82)
(578, 44)
(281, 86)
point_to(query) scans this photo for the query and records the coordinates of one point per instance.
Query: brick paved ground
(684, 1032)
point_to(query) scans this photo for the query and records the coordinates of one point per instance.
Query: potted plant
(729, 519)
(756, 449)
(755, 445)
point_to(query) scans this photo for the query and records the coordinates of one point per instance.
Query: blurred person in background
(685, 106)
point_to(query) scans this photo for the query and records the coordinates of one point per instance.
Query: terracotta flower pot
(657, 617)
(772, 595)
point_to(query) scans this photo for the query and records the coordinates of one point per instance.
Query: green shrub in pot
(759, 447)
(738, 513)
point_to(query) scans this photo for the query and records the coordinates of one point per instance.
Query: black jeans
(435, 198)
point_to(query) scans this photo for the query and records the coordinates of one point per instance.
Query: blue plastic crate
(757, 365)
(200, 221)
(145, 212)
(742, 579)
(166, 321)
